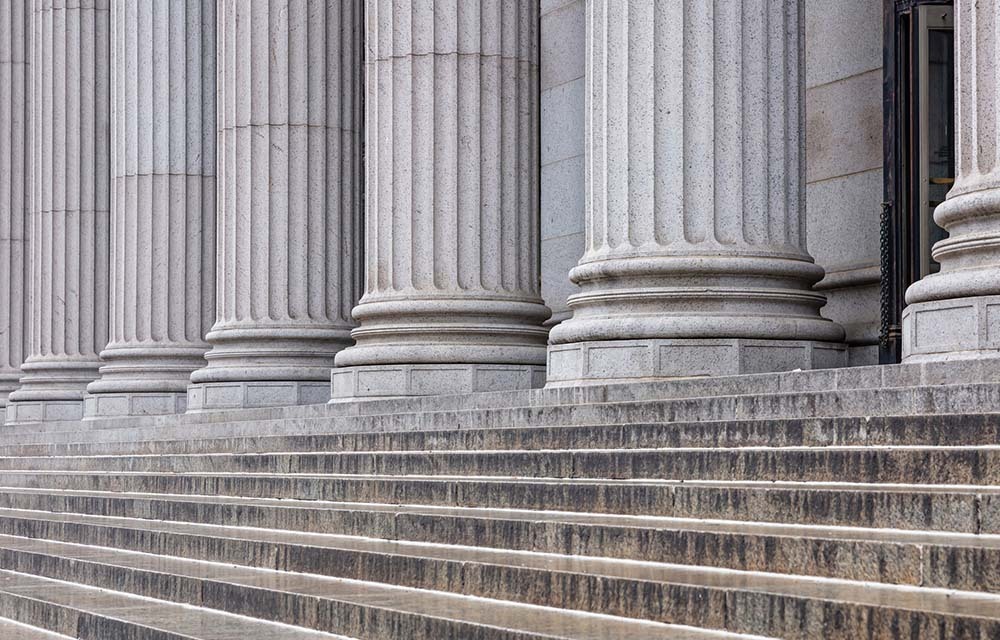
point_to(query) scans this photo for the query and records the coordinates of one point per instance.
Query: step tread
(844, 402)
(874, 431)
(938, 465)
(701, 525)
(185, 620)
(542, 621)
(697, 449)
(542, 452)
(11, 630)
(967, 489)
(944, 601)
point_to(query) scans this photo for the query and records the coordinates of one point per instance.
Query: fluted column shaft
(162, 205)
(289, 79)
(69, 208)
(955, 313)
(695, 216)
(452, 265)
(15, 20)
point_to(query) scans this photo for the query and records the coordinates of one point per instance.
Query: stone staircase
(862, 503)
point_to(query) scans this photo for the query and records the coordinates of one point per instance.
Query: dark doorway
(919, 143)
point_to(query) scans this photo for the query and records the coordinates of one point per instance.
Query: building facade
(261, 203)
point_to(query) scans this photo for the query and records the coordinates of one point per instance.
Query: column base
(28, 411)
(7, 387)
(214, 396)
(954, 329)
(51, 389)
(404, 380)
(610, 361)
(116, 405)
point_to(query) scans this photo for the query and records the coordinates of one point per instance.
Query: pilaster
(955, 313)
(15, 159)
(695, 259)
(452, 300)
(289, 206)
(162, 206)
(70, 137)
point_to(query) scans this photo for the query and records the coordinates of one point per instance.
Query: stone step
(850, 504)
(932, 430)
(951, 561)
(799, 607)
(944, 559)
(979, 465)
(366, 610)
(938, 376)
(10, 630)
(89, 613)
(903, 401)
(802, 381)
(962, 509)
(573, 533)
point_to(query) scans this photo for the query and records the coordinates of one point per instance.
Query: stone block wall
(844, 162)
(562, 95)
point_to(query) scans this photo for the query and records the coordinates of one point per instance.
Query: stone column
(162, 205)
(452, 298)
(15, 19)
(69, 209)
(955, 313)
(695, 259)
(289, 207)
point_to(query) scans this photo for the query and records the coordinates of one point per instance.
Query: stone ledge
(597, 362)
(44, 411)
(215, 396)
(113, 405)
(956, 329)
(385, 381)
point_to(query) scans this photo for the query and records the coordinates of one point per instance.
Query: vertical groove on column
(163, 204)
(15, 159)
(697, 199)
(289, 201)
(694, 186)
(452, 194)
(981, 132)
(69, 208)
(753, 131)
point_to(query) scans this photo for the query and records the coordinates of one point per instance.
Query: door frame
(900, 264)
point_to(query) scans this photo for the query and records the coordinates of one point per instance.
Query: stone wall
(844, 162)
(562, 60)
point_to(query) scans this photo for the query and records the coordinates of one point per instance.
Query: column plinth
(695, 259)
(289, 217)
(955, 313)
(70, 138)
(452, 300)
(15, 160)
(162, 206)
